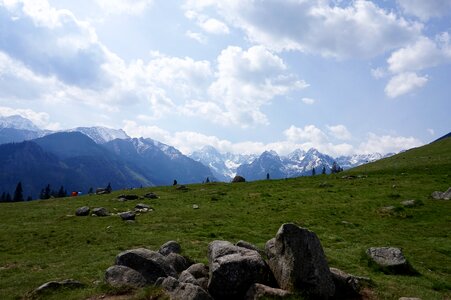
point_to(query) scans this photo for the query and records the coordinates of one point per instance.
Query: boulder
(128, 215)
(198, 270)
(102, 191)
(124, 276)
(347, 286)
(442, 195)
(128, 197)
(195, 206)
(181, 188)
(184, 291)
(247, 245)
(196, 274)
(389, 259)
(233, 270)
(260, 291)
(151, 196)
(177, 262)
(238, 178)
(149, 264)
(170, 247)
(54, 285)
(100, 212)
(409, 203)
(142, 206)
(409, 298)
(82, 211)
(298, 262)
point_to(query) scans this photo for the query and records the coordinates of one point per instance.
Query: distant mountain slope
(268, 162)
(69, 159)
(18, 129)
(443, 137)
(160, 162)
(428, 159)
(101, 135)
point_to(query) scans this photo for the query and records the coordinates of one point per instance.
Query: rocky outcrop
(124, 276)
(260, 291)
(390, 260)
(347, 286)
(298, 262)
(233, 270)
(170, 247)
(100, 212)
(184, 291)
(82, 211)
(238, 178)
(128, 216)
(150, 264)
(442, 195)
(54, 285)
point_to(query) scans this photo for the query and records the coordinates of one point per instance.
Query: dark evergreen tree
(18, 193)
(29, 198)
(207, 180)
(313, 172)
(62, 192)
(324, 170)
(46, 192)
(267, 176)
(108, 188)
(91, 190)
(336, 168)
(175, 182)
(3, 197)
(8, 198)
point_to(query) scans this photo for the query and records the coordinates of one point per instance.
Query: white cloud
(214, 26)
(196, 36)
(340, 132)
(387, 144)
(133, 7)
(308, 101)
(425, 53)
(360, 29)
(425, 9)
(247, 80)
(431, 131)
(378, 73)
(404, 83)
(309, 133)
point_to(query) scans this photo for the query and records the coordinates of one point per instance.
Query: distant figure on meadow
(267, 176)
(175, 182)
(207, 180)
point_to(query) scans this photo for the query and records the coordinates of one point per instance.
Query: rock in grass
(128, 215)
(53, 285)
(177, 262)
(100, 212)
(150, 264)
(124, 276)
(151, 196)
(82, 211)
(238, 178)
(128, 197)
(184, 291)
(233, 270)
(170, 247)
(442, 195)
(390, 260)
(298, 262)
(409, 203)
(142, 206)
(260, 291)
(347, 286)
(247, 245)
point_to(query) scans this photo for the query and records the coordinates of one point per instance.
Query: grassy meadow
(43, 240)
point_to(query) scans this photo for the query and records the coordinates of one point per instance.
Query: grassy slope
(42, 240)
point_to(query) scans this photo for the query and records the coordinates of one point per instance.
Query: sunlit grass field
(43, 240)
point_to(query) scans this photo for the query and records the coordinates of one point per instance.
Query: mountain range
(86, 157)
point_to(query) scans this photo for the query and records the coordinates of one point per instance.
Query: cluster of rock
(295, 263)
(103, 212)
(442, 195)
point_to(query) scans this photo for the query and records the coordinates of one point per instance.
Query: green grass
(43, 240)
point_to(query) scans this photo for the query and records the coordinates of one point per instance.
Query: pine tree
(8, 198)
(3, 197)
(324, 170)
(18, 193)
(267, 176)
(91, 190)
(207, 180)
(313, 172)
(46, 192)
(29, 198)
(62, 192)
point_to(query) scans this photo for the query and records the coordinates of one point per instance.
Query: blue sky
(241, 75)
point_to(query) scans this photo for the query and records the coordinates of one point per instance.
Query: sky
(244, 76)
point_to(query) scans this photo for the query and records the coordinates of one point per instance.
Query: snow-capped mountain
(269, 162)
(299, 163)
(347, 162)
(223, 165)
(101, 135)
(17, 122)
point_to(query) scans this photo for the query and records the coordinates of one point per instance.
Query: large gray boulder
(233, 270)
(196, 274)
(150, 264)
(260, 291)
(178, 262)
(442, 195)
(124, 276)
(347, 286)
(100, 212)
(82, 211)
(56, 285)
(389, 260)
(170, 247)
(298, 262)
(184, 291)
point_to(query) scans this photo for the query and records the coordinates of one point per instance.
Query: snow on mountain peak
(17, 122)
(102, 135)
